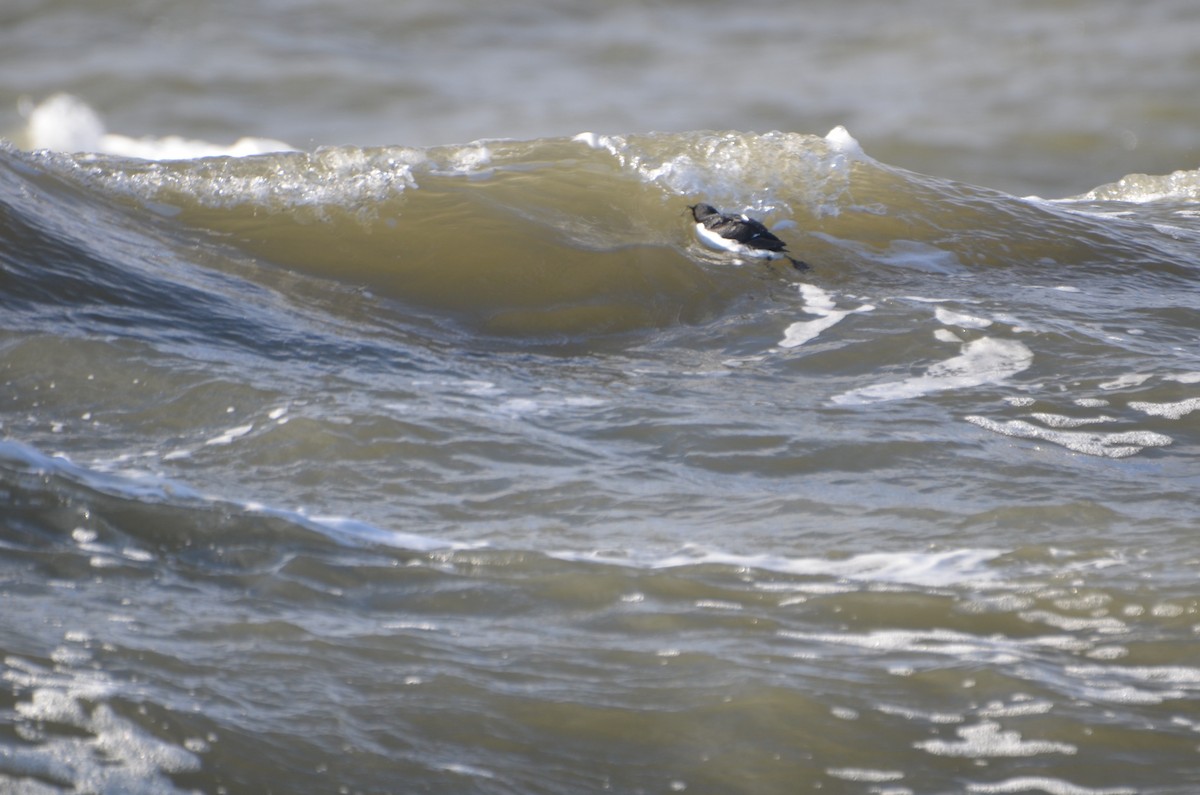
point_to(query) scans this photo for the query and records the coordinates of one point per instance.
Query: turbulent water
(470, 469)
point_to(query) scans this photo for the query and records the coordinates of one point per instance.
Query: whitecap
(65, 123)
(841, 141)
(590, 139)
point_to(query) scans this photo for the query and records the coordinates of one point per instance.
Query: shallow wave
(590, 235)
(144, 593)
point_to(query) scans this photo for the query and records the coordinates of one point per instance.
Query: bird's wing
(752, 233)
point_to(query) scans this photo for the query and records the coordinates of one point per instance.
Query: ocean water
(373, 420)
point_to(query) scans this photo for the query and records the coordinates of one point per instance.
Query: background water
(394, 463)
(1051, 98)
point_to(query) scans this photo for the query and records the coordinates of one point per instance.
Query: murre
(740, 234)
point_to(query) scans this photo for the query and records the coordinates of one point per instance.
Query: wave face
(470, 469)
(589, 234)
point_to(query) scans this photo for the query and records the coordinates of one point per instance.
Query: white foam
(1108, 625)
(1018, 707)
(959, 319)
(920, 715)
(1146, 684)
(841, 141)
(1173, 675)
(471, 160)
(982, 361)
(544, 404)
(104, 752)
(174, 147)
(1126, 694)
(959, 645)
(729, 167)
(864, 774)
(817, 302)
(64, 123)
(1108, 445)
(923, 299)
(228, 436)
(1184, 378)
(987, 739)
(1171, 411)
(1050, 786)
(1063, 421)
(717, 604)
(590, 139)
(965, 567)
(1145, 188)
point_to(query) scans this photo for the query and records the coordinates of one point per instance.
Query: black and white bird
(740, 234)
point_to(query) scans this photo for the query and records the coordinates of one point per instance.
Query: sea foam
(65, 123)
(983, 361)
(1108, 445)
(820, 303)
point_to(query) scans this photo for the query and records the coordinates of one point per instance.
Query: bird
(740, 234)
